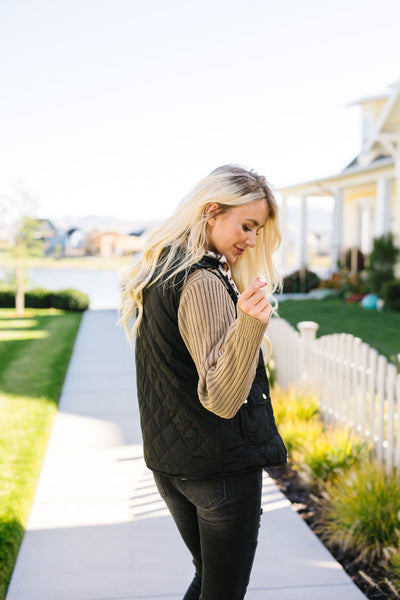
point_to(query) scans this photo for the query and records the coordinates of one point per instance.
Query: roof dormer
(371, 110)
(380, 125)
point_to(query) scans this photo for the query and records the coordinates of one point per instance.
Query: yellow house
(366, 193)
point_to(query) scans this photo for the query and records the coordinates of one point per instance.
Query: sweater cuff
(250, 328)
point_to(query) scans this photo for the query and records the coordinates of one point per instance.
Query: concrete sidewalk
(98, 529)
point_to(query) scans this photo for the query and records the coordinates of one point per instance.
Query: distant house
(58, 242)
(108, 244)
(53, 239)
(75, 242)
(367, 192)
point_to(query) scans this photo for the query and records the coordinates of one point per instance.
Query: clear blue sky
(117, 107)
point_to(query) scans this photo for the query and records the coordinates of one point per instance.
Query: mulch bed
(370, 580)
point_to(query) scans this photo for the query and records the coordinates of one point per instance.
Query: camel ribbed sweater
(224, 348)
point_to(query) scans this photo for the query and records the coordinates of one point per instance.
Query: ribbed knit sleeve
(224, 348)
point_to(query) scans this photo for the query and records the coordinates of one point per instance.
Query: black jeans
(218, 520)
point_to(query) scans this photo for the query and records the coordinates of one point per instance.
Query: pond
(102, 286)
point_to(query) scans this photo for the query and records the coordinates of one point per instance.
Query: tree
(19, 212)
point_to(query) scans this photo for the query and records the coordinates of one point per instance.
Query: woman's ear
(211, 212)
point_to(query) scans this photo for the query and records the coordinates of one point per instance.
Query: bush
(354, 284)
(382, 261)
(300, 281)
(72, 300)
(297, 418)
(391, 294)
(351, 256)
(38, 298)
(289, 406)
(297, 434)
(7, 299)
(362, 515)
(323, 459)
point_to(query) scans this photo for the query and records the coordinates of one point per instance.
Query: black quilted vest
(181, 438)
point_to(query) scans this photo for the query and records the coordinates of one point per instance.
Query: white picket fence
(355, 386)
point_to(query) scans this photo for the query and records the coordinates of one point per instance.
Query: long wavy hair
(182, 239)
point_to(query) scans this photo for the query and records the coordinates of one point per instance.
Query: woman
(201, 311)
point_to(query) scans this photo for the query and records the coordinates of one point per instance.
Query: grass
(381, 330)
(363, 512)
(34, 355)
(318, 452)
(356, 511)
(297, 418)
(290, 406)
(323, 460)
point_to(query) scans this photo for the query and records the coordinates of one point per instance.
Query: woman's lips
(239, 250)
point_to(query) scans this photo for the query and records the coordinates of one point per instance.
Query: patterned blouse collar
(223, 267)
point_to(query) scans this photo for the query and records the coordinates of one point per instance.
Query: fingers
(254, 302)
(254, 287)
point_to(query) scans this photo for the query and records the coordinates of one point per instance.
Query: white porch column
(301, 253)
(384, 192)
(284, 232)
(337, 230)
(396, 220)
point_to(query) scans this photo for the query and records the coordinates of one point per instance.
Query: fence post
(308, 331)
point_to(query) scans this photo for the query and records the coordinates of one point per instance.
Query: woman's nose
(251, 239)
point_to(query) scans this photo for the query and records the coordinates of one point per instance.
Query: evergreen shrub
(70, 299)
(382, 261)
(300, 281)
(391, 294)
(7, 298)
(38, 298)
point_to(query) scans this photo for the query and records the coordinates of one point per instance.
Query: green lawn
(381, 330)
(34, 356)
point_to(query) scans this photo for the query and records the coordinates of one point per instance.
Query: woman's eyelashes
(247, 229)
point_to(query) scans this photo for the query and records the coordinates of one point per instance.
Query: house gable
(382, 133)
(367, 192)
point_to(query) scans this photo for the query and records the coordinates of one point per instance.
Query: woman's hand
(254, 302)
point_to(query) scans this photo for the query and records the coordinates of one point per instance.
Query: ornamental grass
(321, 460)
(362, 515)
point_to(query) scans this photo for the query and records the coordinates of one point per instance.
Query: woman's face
(231, 232)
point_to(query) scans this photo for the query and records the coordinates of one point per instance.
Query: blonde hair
(184, 238)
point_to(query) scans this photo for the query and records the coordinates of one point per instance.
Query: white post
(308, 331)
(337, 233)
(383, 208)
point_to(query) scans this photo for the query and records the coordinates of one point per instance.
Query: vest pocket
(255, 421)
